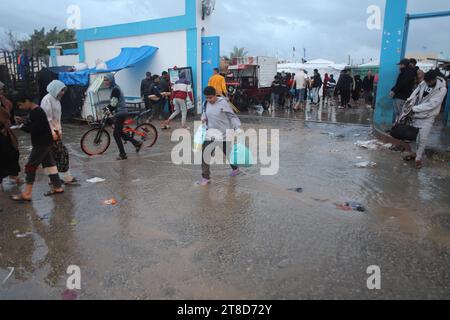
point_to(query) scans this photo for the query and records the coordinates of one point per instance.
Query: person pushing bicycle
(118, 105)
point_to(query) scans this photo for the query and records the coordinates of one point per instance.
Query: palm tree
(238, 53)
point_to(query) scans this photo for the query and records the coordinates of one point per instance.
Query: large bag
(405, 132)
(241, 156)
(61, 155)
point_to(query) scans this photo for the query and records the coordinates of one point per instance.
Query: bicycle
(97, 140)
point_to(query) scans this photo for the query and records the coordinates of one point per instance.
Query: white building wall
(172, 48)
(69, 60)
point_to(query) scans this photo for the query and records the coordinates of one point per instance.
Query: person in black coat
(344, 88)
(403, 87)
(358, 88)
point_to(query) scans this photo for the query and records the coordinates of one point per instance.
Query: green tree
(41, 39)
(238, 53)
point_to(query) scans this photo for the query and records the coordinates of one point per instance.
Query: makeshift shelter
(324, 66)
(127, 58)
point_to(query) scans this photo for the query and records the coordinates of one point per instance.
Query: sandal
(20, 198)
(53, 193)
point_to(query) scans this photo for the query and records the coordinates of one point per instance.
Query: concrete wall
(70, 60)
(172, 52)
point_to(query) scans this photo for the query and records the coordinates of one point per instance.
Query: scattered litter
(73, 222)
(95, 180)
(357, 135)
(9, 275)
(110, 202)
(69, 295)
(340, 136)
(283, 264)
(359, 158)
(298, 190)
(16, 232)
(24, 235)
(373, 145)
(351, 206)
(260, 110)
(366, 164)
(136, 180)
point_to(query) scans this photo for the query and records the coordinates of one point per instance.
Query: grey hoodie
(220, 117)
(430, 106)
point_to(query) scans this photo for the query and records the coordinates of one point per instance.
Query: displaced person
(146, 87)
(218, 117)
(51, 104)
(217, 81)
(357, 88)
(277, 91)
(300, 86)
(182, 95)
(368, 87)
(41, 154)
(118, 105)
(344, 88)
(403, 87)
(158, 99)
(164, 87)
(426, 103)
(316, 85)
(325, 86)
(9, 145)
(331, 87)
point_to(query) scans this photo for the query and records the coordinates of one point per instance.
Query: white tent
(324, 66)
(425, 66)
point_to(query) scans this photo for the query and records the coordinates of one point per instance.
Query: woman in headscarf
(118, 104)
(9, 146)
(51, 104)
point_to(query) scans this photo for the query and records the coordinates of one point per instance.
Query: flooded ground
(250, 237)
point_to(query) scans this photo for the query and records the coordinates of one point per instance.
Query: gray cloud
(332, 29)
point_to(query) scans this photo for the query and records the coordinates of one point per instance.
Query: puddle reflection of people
(41, 154)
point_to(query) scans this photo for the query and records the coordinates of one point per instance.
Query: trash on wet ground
(95, 180)
(283, 264)
(351, 206)
(359, 158)
(366, 164)
(373, 145)
(357, 135)
(69, 295)
(23, 235)
(298, 190)
(44, 217)
(74, 222)
(110, 202)
(136, 180)
(9, 275)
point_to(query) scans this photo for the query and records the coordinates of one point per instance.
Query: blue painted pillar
(392, 51)
(210, 58)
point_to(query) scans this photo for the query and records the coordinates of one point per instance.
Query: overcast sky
(329, 29)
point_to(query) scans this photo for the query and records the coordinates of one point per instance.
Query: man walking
(218, 82)
(316, 85)
(300, 86)
(368, 84)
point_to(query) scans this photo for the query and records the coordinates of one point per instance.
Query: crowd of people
(292, 91)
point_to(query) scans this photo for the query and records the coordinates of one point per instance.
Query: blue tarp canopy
(128, 57)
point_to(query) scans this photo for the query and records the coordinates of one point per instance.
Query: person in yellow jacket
(218, 82)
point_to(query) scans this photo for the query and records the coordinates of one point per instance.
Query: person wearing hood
(9, 145)
(403, 87)
(51, 104)
(426, 102)
(344, 88)
(118, 105)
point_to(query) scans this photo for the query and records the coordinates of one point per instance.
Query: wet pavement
(250, 237)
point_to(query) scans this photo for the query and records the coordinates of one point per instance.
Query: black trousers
(345, 98)
(119, 134)
(206, 167)
(42, 155)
